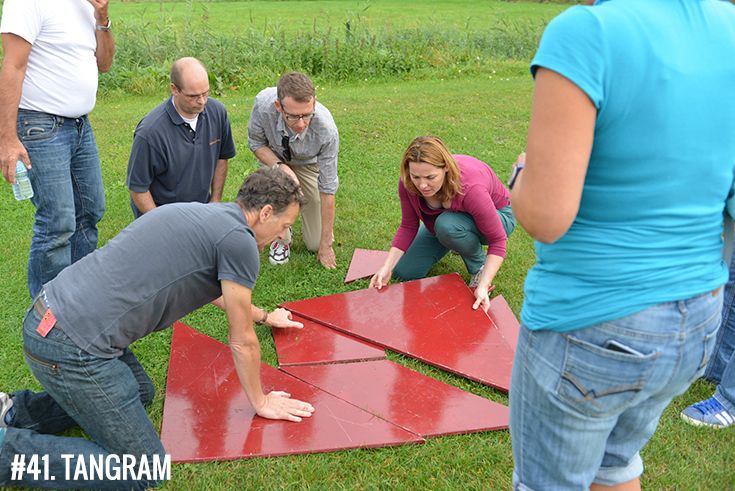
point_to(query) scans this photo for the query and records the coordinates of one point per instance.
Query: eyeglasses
(292, 118)
(193, 97)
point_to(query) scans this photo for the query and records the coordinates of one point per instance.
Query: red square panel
(505, 319)
(407, 398)
(316, 343)
(206, 415)
(430, 319)
(365, 262)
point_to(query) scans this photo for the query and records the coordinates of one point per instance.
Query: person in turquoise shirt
(630, 158)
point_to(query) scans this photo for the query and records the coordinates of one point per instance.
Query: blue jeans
(583, 403)
(105, 397)
(455, 231)
(721, 368)
(68, 193)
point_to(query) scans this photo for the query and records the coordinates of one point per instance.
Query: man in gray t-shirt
(164, 265)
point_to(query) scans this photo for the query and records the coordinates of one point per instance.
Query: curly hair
(431, 150)
(269, 186)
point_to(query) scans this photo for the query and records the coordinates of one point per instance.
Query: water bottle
(22, 188)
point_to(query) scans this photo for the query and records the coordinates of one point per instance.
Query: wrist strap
(106, 27)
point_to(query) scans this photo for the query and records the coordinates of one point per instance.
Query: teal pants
(455, 231)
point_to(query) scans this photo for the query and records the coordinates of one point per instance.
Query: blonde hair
(431, 150)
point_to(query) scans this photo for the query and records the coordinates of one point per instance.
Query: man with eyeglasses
(290, 129)
(181, 148)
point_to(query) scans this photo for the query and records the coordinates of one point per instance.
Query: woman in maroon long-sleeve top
(448, 202)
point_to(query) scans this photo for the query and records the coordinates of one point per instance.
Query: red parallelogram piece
(365, 262)
(430, 319)
(418, 403)
(316, 344)
(206, 415)
(505, 319)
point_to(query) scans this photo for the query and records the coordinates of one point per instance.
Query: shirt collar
(174, 114)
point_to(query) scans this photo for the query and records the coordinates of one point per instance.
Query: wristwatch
(104, 28)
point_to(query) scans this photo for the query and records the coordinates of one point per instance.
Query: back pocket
(602, 380)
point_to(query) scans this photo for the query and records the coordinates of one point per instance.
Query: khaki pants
(311, 212)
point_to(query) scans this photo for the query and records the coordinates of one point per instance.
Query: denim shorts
(584, 402)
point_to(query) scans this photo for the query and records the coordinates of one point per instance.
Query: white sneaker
(279, 252)
(6, 404)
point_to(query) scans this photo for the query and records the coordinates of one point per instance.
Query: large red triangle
(206, 415)
(418, 403)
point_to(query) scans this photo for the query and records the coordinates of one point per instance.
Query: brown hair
(431, 150)
(295, 85)
(269, 186)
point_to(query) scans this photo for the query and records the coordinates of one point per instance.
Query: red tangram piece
(429, 319)
(206, 415)
(418, 403)
(365, 262)
(501, 313)
(315, 344)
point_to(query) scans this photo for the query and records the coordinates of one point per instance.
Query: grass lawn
(304, 16)
(485, 115)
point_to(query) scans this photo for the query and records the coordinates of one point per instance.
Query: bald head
(189, 86)
(186, 70)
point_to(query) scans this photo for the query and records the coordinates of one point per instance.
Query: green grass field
(304, 16)
(484, 114)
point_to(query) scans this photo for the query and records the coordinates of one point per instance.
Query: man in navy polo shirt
(181, 148)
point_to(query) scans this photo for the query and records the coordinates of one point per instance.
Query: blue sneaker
(708, 413)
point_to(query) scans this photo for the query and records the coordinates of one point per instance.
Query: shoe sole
(697, 422)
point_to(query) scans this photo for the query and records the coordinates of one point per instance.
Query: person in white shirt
(53, 52)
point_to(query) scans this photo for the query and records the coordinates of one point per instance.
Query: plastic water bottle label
(22, 188)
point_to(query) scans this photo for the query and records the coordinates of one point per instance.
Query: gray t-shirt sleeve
(144, 165)
(238, 259)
